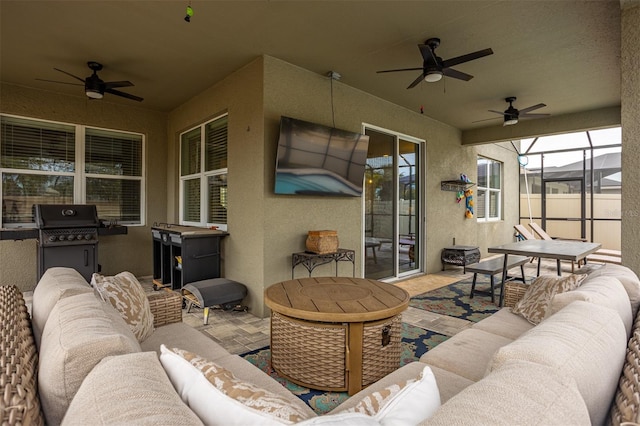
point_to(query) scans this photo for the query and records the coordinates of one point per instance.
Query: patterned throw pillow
(537, 299)
(406, 403)
(127, 296)
(219, 398)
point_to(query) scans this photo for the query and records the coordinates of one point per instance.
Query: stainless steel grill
(67, 236)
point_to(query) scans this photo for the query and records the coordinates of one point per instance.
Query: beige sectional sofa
(578, 366)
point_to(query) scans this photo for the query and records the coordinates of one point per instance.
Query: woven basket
(322, 242)
(513, 292)
(166, 307)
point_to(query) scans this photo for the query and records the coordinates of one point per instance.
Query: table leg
(206, 315)
(504, 278)
(493, 298)
(473, 284)
(354, 357)
(559, 268)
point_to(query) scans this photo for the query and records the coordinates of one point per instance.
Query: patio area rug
(415, 342)
(453, 300)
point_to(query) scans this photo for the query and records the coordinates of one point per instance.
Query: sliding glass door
(393, 205)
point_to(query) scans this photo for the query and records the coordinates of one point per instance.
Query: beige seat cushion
(626, 276)
(584, 341)
(181, 335)
(449, 384)
(142, 395)
(603, 290)
(517, 393)
(466, 354)
(504, 323)
(55, 284)
(79, 333)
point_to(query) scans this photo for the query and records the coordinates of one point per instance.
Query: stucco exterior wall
(241, 95)
(131, 252)
(630, 100)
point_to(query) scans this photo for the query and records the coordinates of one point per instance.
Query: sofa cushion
(55, 284)
(516, 393)
(466, 354)
(404, 402)
(218, 398)
(79, 333)
(536, 300)
(603, 290)
(626, 276)
(141, 395)
(181, 335)
(504, 323)
(585, 341)
(127, 296)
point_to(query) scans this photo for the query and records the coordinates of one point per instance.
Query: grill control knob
(87, 237)
(52, 237)
(71, 237)
(61, 237)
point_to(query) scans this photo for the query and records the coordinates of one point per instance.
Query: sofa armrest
(19, 401)
(513, 292)
(166, 307)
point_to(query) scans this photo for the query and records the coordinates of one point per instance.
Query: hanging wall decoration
(469, 204)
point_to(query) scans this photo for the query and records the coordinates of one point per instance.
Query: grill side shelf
(17, 234)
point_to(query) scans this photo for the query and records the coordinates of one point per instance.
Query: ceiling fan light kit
(433, 76)
(93, 94)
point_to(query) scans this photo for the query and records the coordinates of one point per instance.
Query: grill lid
(50, 216)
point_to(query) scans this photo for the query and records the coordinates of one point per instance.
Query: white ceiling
(564, 53)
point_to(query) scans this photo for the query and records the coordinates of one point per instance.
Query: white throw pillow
(127, 296)
(342, 419)
(407, 403)
(218, 398)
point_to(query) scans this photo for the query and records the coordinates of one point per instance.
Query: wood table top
(554, 249)
(336, 299)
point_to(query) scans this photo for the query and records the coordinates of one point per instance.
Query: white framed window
(203, 174)
(488, 203)
(45, 162)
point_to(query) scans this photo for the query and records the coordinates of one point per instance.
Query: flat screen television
(313, 159)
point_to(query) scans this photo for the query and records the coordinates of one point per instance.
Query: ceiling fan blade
(450, 72)
(112, 84)
(533, 115)
(61, 82)
(123, 94)
(466, 58)
(401, 69)
(486, 119)
(416, 81)
(70, 75)
(531, 108)
(427, 53)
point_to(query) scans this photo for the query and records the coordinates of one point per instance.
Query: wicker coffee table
(335, 333)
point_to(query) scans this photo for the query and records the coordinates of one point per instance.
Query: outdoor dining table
(548, 249)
